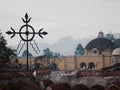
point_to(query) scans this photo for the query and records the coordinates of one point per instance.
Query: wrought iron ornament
(27, 33)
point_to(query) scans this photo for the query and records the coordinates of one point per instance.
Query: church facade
(98, 53)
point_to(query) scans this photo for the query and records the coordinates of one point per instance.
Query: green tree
(110, 37)
(47, 52)
(79, 50)
(56, 54)
(5, 52)
(113, 39)
(25, 54)
(117, 42)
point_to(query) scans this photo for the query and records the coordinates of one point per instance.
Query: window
(95, 51)
(91, 66)
(82, 66)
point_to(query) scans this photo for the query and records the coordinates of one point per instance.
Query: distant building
(99, 53)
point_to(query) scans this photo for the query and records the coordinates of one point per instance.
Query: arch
(82, 66)
(53, 66)
(91, 66)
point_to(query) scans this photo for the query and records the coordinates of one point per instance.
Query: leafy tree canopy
(79, 50)
(110, 37)
(25, 53)
(56, 54)
(113, 39)
(47, 52)
(5, 52)
(117, 42)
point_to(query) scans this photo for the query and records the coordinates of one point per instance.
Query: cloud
(76, 18)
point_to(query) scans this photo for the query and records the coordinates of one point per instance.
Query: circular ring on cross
(27, 33)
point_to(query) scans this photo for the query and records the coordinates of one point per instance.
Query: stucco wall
(73, 62)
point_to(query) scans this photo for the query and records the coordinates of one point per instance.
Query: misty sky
(60, 18)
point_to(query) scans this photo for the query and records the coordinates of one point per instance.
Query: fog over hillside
(65, 46)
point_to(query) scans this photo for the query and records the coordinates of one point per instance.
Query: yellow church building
(98, 53)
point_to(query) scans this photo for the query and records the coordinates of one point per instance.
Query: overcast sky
(76, 18)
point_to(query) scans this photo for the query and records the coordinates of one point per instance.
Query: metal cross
(27, 33)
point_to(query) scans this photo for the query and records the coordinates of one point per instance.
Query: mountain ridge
(65, 46)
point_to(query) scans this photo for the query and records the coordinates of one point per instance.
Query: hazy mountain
(65, 45)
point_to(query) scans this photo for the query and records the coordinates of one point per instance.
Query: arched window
(82, 66)
(53, 66)
(91, 66)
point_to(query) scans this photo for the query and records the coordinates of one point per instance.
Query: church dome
(101, 44)
(116, 52)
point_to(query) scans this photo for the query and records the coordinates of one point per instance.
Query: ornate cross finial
(26, 33)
